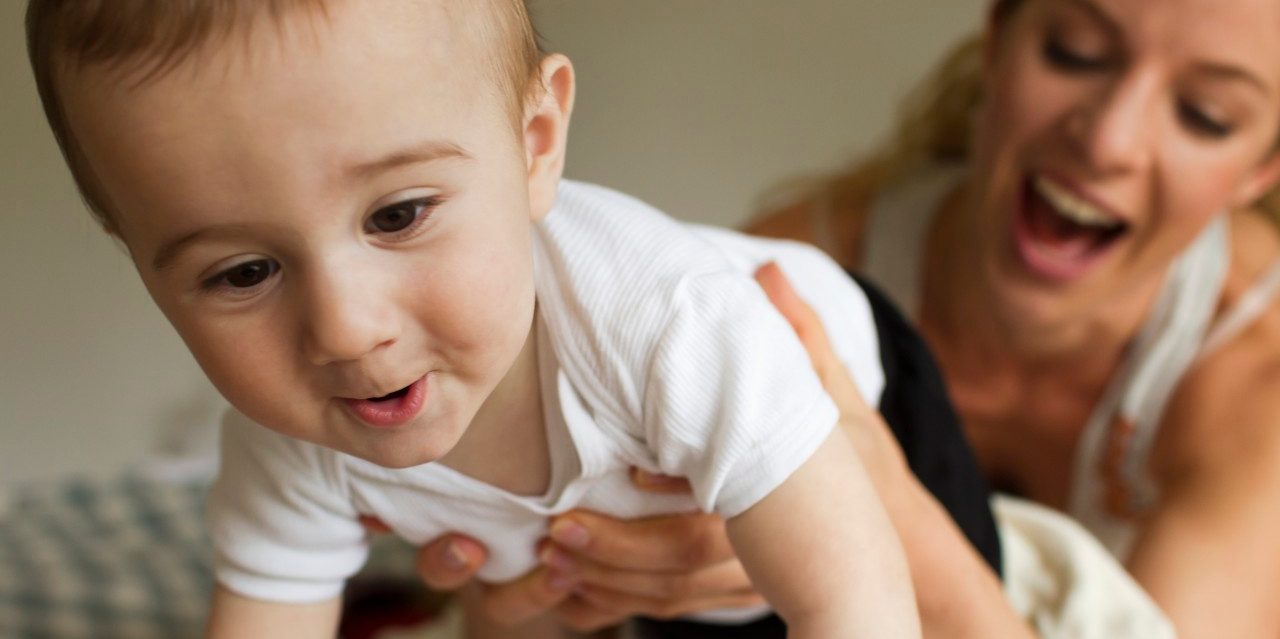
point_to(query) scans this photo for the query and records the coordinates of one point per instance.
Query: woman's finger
(530, 596)
(813, 335)
(876, 445)
(672, 543)
(716, 579)
(450, 561)
(609, 601)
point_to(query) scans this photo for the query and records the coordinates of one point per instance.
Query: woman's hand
(598, 571)
(877, 448)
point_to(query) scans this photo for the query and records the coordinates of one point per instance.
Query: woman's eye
(244, 276)
(1202, 123)
(1064, 57)
(397, 217)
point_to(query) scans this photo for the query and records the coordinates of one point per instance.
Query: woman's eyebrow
(1097, 13)
(417, 153)
(1231, 72)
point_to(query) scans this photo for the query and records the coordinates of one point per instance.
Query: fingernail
(455, 558)
(570, 534)
(557, 560)
(560, 582)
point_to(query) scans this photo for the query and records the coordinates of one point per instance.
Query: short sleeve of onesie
(731, 401)
(282, 526)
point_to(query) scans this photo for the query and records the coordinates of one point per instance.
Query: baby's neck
(506, 444)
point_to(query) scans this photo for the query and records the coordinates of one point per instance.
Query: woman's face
(1113, 131)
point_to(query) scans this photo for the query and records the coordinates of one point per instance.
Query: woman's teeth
(1067, 205)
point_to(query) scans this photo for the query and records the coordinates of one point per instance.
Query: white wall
(694, 105)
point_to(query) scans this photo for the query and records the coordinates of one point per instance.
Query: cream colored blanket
(1065, 583)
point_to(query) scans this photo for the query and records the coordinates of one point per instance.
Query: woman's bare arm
(1207, 555)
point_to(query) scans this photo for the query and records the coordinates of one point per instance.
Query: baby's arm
(821, 549)
(234, 617)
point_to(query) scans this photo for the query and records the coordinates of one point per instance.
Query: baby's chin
(387, 455)
(398, 450)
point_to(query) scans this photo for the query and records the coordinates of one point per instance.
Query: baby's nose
(346, 320)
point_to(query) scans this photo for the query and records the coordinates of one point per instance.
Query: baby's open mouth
(392, 395)
(393, 409)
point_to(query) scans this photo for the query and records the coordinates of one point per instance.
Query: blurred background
(697, 106)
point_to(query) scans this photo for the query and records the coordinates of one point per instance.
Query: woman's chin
(1023, 301)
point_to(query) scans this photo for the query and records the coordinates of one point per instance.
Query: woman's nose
(347, 316)
(1113, 130)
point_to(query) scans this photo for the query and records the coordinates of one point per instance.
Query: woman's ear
(546, 131)
(1262, 179)
(998, 16)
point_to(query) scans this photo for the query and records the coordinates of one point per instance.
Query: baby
(353, 214)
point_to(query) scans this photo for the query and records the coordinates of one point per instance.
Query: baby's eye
(396, 218)
(245, 275)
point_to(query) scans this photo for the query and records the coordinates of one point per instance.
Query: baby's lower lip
(392, 412)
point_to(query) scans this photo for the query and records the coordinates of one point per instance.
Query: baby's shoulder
(620, 282)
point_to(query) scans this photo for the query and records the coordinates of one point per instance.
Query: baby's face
(333, 210)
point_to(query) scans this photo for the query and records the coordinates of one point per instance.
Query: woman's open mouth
(393, 409)
(1060, 234)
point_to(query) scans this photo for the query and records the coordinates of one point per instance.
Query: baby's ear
(546, 131)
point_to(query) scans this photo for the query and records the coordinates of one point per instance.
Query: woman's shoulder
(831, 214)
(1228, 407)
(1255, 246)
(1255, 250)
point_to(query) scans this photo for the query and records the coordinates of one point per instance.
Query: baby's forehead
(85, 53)
(158, 38)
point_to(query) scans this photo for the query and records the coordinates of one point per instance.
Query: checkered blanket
(121, 558)
(124, 558)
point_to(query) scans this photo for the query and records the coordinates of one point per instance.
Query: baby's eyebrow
(428, 151)
(170, 250)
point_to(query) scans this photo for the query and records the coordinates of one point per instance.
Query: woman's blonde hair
(934, 126)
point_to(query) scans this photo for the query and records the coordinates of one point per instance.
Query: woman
(1095, 275)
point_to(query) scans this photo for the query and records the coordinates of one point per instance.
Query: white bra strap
(1248, 308)
(894, 244)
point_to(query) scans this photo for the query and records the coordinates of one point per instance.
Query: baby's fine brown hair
(150, 37)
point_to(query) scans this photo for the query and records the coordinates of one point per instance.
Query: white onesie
(656, 349)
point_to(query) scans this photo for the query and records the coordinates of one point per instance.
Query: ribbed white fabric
(656, 348)
(1169, 342)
